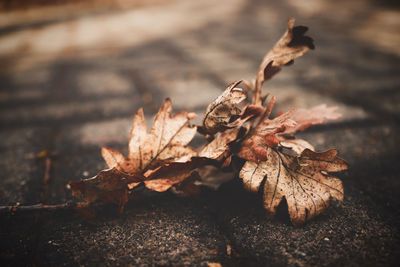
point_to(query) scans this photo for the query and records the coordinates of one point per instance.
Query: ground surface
(71, 83)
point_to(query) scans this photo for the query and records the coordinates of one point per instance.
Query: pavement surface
(71, 81)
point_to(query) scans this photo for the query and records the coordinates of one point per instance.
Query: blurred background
(72, 74)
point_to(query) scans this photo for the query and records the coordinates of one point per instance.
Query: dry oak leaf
(291, 45)
(167, 140)
(304, 181)
(166, 143)
(223, 109)
(149, 155)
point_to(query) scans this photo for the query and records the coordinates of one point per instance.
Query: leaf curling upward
(293, 44)
(221, 111)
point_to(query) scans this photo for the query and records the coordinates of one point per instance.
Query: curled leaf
(290, 46)
(222, 111)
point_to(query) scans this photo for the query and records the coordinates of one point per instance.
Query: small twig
(38, 207)
(70, 205)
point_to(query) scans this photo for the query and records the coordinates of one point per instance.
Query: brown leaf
(305, 181)
(166, 141)
(297, 145)
(108, 186)
(273, 132)
(170, 174)
(256, 146)
(154, 156)
(218, 147)
(220, 112)
(112, 157)
(290, 46)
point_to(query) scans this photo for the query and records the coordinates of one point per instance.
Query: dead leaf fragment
(112, 157)
(305, 182)
(170, 174)
(290, 46)
(108, 186)
(297, 145)
(220, 112)
(219, 146)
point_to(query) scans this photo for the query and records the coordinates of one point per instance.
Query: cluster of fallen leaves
(240, 136)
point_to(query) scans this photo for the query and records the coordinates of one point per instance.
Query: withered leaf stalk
(239, 135)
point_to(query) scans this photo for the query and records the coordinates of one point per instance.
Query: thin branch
(38, 207)
(70, 205)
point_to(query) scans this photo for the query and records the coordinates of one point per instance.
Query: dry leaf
(160, 159)
(285, 167)
(164, 177)
(218, 147)
(305, 182)
(273, 132)
(297, 145)
(166, 141)
(108, 186)
(292, 45)
(256, 146)
(221, 111)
